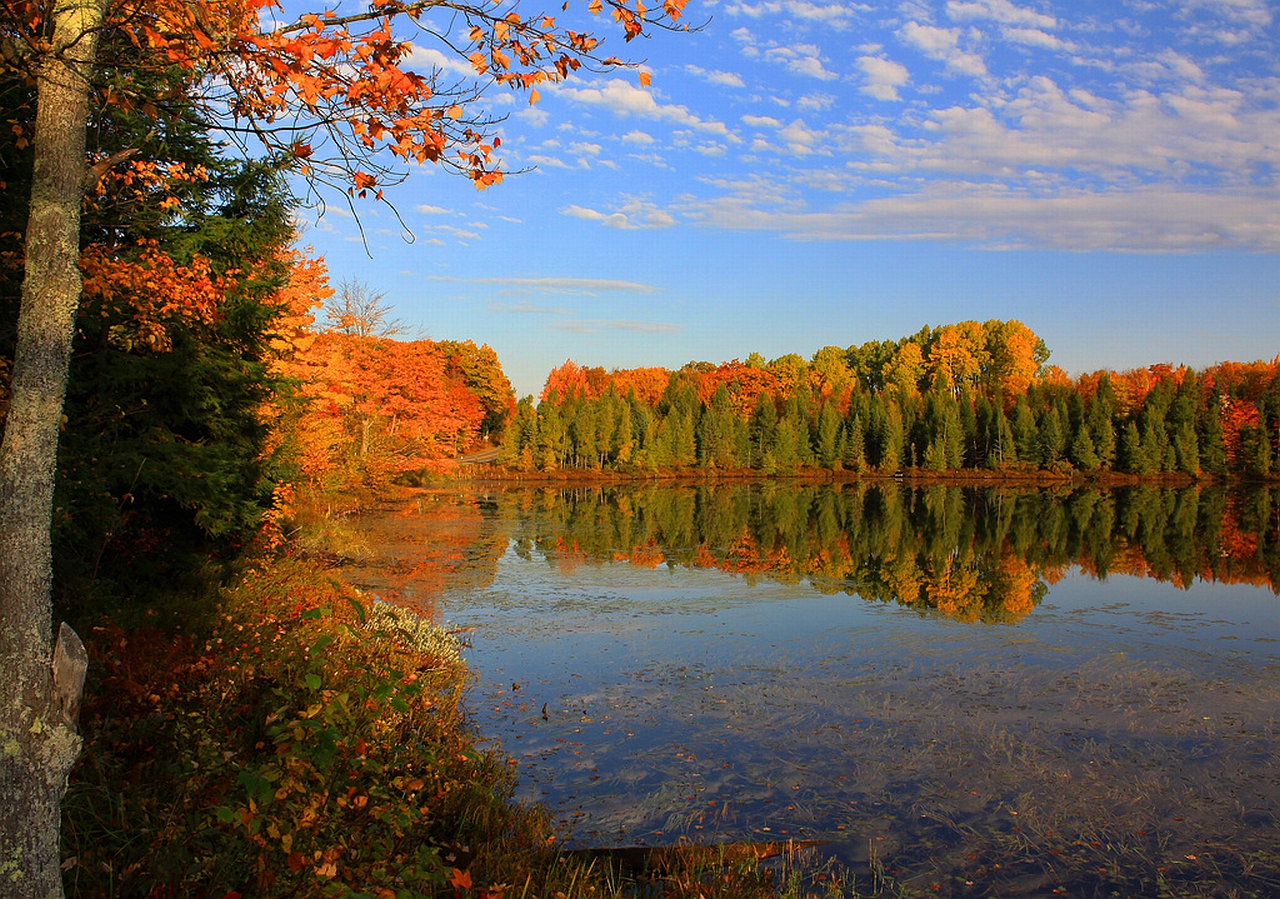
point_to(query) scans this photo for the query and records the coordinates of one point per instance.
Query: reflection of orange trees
(569, 555)
(650, 555)
(956, 591)
(988, 555)
(1017, 584)
(433, 548)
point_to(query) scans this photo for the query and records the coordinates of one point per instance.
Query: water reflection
(672, 662)
(968, 553)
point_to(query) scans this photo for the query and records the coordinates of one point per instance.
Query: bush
(307, 747)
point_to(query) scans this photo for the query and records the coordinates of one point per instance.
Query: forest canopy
(965, 396)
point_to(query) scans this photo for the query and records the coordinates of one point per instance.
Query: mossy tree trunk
(40, 699)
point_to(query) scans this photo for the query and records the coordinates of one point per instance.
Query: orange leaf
(460, 879)
(455, 112)
(534, 97)
(645, 78)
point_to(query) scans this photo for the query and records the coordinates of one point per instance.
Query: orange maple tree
(333, 96)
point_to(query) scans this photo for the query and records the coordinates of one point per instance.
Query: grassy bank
(311, 742)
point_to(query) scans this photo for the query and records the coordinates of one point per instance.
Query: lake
(958, 690)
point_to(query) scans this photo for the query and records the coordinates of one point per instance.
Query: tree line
(970, 396)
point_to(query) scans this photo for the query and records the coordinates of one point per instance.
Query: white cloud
(802, 59)
(640, 138)
(1255, 13)
(633, 215)
(999, 11)
(802, 140)
(427, 59)
(524, 307)
(550, 162)
(589, 286)
(624, 99)
(943, 44)
(426, 209)
(884, 77)
(1034, 37)
(828, 15)
(601, 326)
(816, 102)
(760, 121)
(456, 233)
(1139, 220)
(723, 79)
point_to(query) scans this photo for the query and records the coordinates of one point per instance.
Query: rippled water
(1123, 731)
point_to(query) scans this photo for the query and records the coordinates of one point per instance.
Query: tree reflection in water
(929, 678)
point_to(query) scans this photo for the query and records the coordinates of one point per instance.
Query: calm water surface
(1078, 734)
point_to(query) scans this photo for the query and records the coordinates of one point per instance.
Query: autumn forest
(255, 725)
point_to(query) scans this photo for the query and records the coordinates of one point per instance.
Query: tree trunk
(40, 698)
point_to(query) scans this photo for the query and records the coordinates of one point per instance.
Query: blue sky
(803, 173)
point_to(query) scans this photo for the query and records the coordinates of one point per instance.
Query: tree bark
(38, 740)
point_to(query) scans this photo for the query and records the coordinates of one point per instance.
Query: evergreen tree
(553, 434)
(520, 437)
(764, 426)
(1053, 437)
(1026, 435)
(717, 432)
(1083, 454)
(828, 439)
(1211, 439)
(1099, 418)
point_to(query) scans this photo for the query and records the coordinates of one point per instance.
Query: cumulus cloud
(625, 99)
(633, 215)
(722, 79)
(428, 59)
(999, 11)
(829, 15)
(1255, 13)
(943, 44)
(816, 102)
(802, 59)
(884, 77)
(1035, 37)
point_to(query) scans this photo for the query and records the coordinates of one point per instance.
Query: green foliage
(311, 744)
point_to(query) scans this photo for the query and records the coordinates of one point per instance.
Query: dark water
(933, 681)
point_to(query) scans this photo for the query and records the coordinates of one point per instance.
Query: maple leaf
(460, 879)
